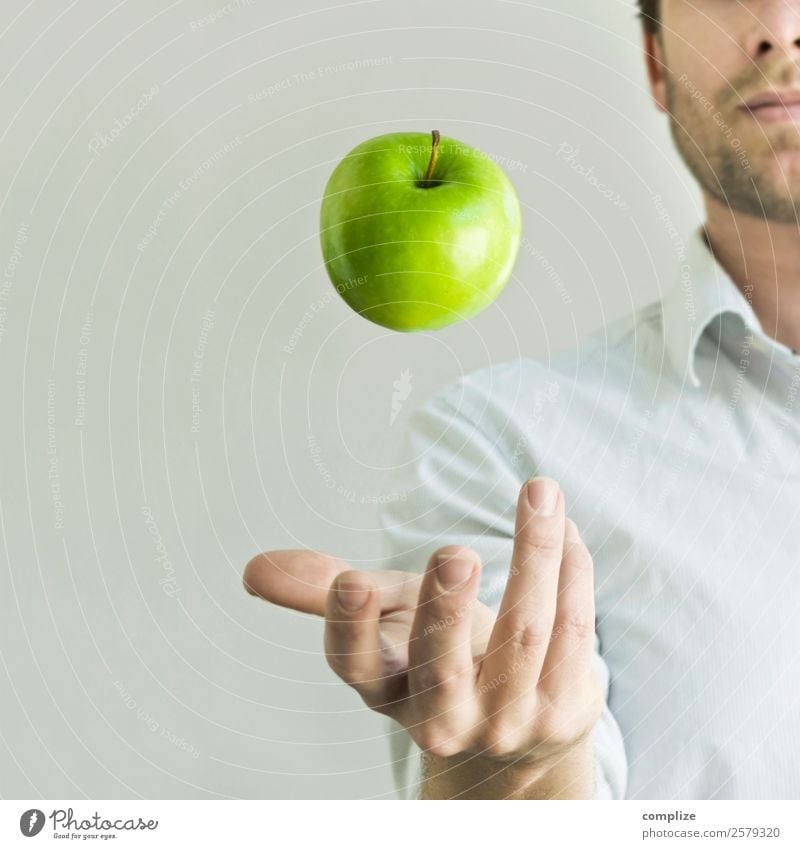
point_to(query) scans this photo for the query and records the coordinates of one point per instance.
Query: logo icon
(31, 822)
(402, 389)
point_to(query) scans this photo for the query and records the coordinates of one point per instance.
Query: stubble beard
(765, 189)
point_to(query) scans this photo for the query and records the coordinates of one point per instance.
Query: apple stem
(434, 156)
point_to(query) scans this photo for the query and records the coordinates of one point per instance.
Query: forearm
(568, 776)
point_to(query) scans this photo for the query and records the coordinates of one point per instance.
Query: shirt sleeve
(454, 485)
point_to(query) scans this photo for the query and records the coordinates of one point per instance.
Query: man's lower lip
(776, 114)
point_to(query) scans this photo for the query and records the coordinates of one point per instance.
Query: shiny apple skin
(412, 258)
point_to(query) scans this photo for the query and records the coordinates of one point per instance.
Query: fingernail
(543, 496)
(351, 597)
(453, 571)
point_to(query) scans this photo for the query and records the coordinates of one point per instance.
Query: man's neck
(763, 259)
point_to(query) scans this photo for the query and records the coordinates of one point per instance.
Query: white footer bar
(400, 825)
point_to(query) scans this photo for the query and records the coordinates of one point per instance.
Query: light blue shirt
(674, 434)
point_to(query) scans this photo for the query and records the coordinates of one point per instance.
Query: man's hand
(515, 692)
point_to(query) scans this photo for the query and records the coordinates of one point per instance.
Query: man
(623, 623)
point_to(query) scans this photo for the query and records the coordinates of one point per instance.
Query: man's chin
(778, 172)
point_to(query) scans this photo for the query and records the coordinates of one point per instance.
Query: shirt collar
(702, 292)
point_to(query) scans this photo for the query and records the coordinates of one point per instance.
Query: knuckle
(525, 633)
(576, 627)
(437, 676)
(570, 715)
(587, 706)
(444, 748)
(497, 741)
(538, 535)
(437, 742)
(558, 729)
(589, 693)
(442, 614)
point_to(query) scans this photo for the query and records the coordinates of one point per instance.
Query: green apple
(419, 231)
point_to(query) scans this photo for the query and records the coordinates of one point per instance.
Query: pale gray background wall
(133, 292)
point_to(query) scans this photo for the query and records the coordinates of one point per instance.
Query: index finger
(295, 578)
(300, 578)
